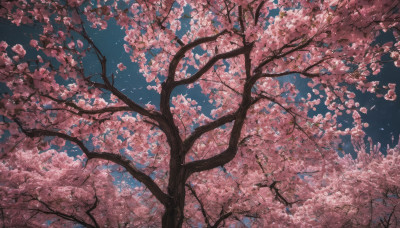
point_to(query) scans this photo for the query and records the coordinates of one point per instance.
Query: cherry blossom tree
(259, 157)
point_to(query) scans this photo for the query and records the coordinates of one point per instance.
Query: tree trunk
(174, 212)
(173, 217)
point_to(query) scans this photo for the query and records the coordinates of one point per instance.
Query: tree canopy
(263, 156)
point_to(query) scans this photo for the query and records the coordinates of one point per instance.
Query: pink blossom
(127, 48)
(71, 44)
(3, 46)
(351, 95)
(395, 55)
(121, 66)
(34, 43)
(19, 50)
(80, 44)
(390, 95)
(5, 60)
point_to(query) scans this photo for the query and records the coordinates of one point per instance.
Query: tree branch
(110, 87)
(93, 111)
(176, 38)
(296, 48)
(303, 72)
(257, 15)
(212, 61)
(181, 53)
(228, 154)
(88, 212)
(60, 214)
(241, 23)
(203, 211)
(221, 219)
(116, 158)
(168, 86)
(199, 131)
(278, 195)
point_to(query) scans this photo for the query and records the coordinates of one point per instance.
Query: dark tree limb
(228, 154)
(202, 209)
(110, 87)
(258, 10)
(241, 23)
(247, 60)
(170, 84)
(166, 120)
(92, 111)
(199, 131)
(116, 158)
(50, 210)
(296, 47)
(181, 53)
(221, 219)
(276, 75)
(212, 61)
(2, 217)
(88, 212)
(276, 191)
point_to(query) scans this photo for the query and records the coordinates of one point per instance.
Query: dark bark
(174, 210)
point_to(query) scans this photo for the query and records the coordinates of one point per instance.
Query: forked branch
(116, 158)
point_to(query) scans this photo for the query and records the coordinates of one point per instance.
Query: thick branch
(92, 111)
(228, 154)
(181, 53)
(247, 63)
(247, 60)
(221, 219)
(212, 61)
(241, 23)
(213, 162)
(176, 38)
(170, 84)
(303, 72)
(296, 48)
(61, 214)
(109, 86)
(137, 174)
(199, 131)
(116, 158)
(167, 121)
(258, 10)
(276, 191)
(267, 75)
